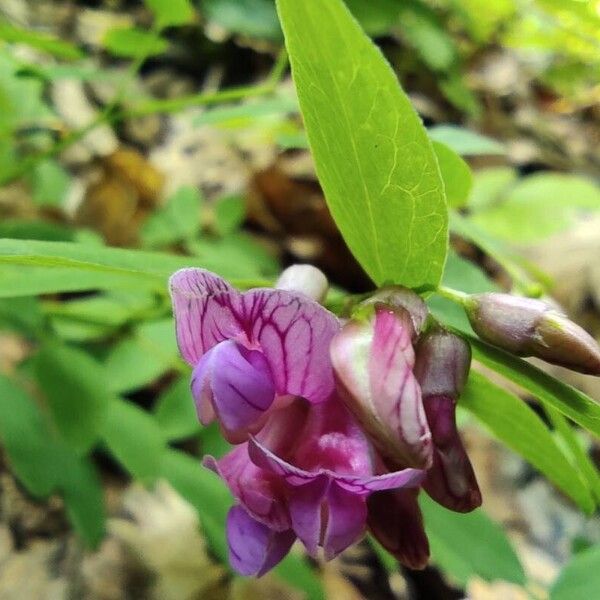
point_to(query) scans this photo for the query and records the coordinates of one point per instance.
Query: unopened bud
(528, 327)
(441, 368)
(305, 279)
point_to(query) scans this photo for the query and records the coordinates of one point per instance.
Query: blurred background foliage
(171, 127)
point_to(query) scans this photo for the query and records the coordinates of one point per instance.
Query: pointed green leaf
(516, 425)
(372, 154)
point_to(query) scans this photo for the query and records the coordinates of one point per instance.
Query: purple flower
(250, 351)
(310, 470)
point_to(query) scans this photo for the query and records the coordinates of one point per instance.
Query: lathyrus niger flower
(314, 460)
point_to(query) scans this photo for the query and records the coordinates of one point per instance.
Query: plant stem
(454, 295)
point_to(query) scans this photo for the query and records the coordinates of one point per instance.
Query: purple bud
(442, 366)
(528, 327)
(305, 279)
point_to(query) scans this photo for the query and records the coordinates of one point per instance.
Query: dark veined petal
(396, 521)
(294, 333)
(254, 549)
(205, 308)
(237, 383)
(373, 362)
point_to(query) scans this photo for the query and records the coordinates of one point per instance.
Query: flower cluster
(335, 427)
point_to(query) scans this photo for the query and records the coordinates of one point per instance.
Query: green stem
(454, 295)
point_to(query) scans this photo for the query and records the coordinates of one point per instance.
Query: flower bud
(305, 279)
(441, 367)
(528, 327)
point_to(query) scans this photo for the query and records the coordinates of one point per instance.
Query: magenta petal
(294, 333)
(238, 383)
(261, 493)
(306, 511)
(407, 478)
(373, 362)
(205, 306)
(346, 520)
(451, 480)
(396, 521)
(254, 549)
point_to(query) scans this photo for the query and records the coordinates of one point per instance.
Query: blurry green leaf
(539, 206)
(49, 182)
(69, 330)
(373, 158)
(76, 390)
(140, 359)
(459, 94)
(471, 544)
(564, 398)
(35, 230)
(255, 18)
(295, 570)
(376, 16)
(24, 435)
(83, 496)
(489, 185)
(464, 141)
(171, 12)
(238, 249)
(58, 266)
(178, 220)
(175, 412)
(483, 24)
(282, 105)
(212, 441)
(580, 578)
(424, 31)
(23, 315)
(229, 214)
(135, 439)
(131, 42)
(39, 41)
(456, 175)
(516, 425)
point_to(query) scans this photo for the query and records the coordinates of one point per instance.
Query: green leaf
(23, 315)
(175, 412)
(39, 41)
(377, 16)
(229, 214)
(171, 12)
(76, 390)
(178, 220)
(580, 578)
(135, 439)
(61, 266)
(489, 185)
(24, 435)
(470, 544)
(49, 182)
(30, 229)
(539, 206)
(84, 497)
(132, 42)
(422, 29)
(139, 360)
(518, 426)
(564, 398)
(255, 18)
(464, 141)
(456, 175)
(372, 154)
